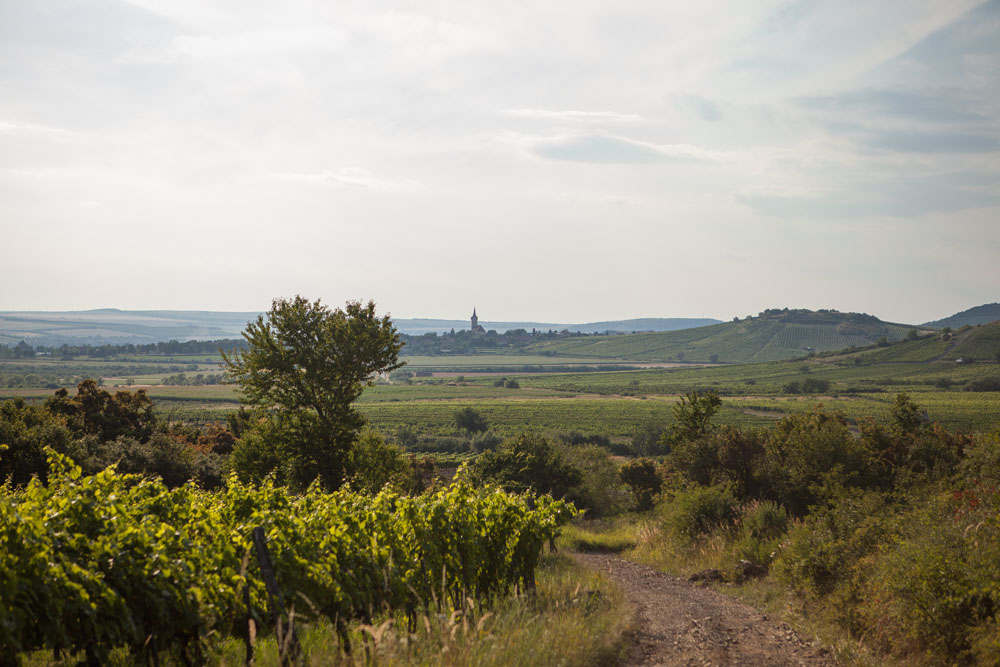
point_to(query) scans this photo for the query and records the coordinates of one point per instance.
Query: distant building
(476, 328)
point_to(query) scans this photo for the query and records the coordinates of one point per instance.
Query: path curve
(680, 623)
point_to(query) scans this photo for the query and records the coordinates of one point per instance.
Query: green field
(611, 403)
(473, 360)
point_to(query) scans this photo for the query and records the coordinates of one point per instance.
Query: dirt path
(680, 623)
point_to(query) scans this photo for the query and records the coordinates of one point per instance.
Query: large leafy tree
(305, 366)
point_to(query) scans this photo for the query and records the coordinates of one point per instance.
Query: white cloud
(351, 177)
(502, 130)
(575, 116)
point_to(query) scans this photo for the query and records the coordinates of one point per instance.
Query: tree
(94, 411)
(306, 365)
(693, 415)
(25, 432)
(643, 479)
(469, 419)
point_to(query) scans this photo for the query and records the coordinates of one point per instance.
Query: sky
(550, 161)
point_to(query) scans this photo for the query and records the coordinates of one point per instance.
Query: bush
(377, 463)
(698, 510)
(598, 490)
(171, 460)
(808, 456)
(761, 525)
(826, 548)
(648, 441)
(763, 520)
(470, 420)
(644, 481)
(983, 384)
(815, 386)
(25, 432)
(937, 585)
(528, 462)
(483, 442)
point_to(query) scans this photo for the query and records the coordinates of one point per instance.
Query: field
(617, 404)
(567, 394)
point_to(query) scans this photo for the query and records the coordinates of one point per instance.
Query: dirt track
(680, 623)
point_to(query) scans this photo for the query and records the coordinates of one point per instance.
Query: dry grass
(575, 617)
(601, 536)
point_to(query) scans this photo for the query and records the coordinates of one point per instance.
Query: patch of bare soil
(681, 623)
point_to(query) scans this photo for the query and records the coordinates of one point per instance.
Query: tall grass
(575, 617)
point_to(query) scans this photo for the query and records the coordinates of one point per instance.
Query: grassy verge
(576, 617)
(600, 536)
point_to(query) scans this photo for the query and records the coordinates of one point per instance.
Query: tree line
(23, 350)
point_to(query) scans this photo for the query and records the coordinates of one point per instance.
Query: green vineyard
(91, 564)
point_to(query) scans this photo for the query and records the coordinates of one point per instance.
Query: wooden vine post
(288, 643)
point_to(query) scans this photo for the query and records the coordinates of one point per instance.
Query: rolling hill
(975, 343)
(988, 312)
(773, 335)
(110, 325)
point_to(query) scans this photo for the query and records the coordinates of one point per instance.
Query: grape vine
(88, 564)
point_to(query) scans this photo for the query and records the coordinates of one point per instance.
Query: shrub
(761, 525)
(527, 462)
(698, 510)
(487, 441)
(644, 481)
(377, 463)
(815, 386)
(598, 490)
(983, 384)
(937, 585)
(763, 519)
(826, 548)
(171, 460)
(470, 420)
(25, 432)
(809, 456)
(648, 441)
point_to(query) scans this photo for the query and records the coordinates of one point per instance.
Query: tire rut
(680, 623)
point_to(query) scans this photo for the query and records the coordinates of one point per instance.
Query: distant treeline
(465, 341)
(455, 342)
(23, 350)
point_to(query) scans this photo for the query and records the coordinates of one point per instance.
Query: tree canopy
(304, 367)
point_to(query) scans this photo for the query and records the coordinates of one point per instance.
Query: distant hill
(420, 326)
(988, 312)
(976, 343)
(110, 325)
(771, 336)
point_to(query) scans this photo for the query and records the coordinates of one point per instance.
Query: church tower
(476, 328)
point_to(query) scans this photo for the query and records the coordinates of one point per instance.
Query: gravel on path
(681, 623)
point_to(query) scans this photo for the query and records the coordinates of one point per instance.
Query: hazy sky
(554, 161)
